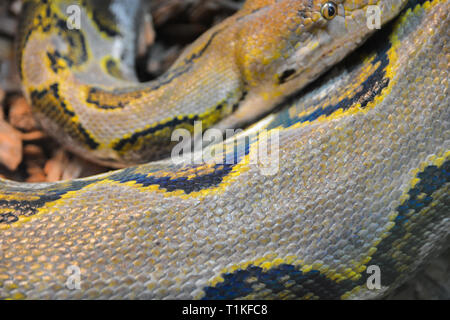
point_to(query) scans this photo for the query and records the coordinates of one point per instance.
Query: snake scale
(362, 157)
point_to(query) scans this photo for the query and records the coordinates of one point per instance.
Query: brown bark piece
(10, 146)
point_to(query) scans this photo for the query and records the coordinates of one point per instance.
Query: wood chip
(2, 95)
(54, 167)
(35, 173)
(10, 146)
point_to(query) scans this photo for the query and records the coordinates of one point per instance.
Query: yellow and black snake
(362, 159)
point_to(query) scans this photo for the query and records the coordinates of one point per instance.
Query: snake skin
(363, 179)
(82, 91)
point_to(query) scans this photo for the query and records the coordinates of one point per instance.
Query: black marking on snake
(302, 14)
(56, 55)
(237, 285)
(254, 11)
(90, 100)
(176, 72)
(173, 123)
(87, 138)
(24, 32)
(46, 28)
(70, 37)
(48, 12)
(54, 88)
(61, 24)
(29, 208)
(75, 40)
(170, 124)
(183, 183)
(110, 64)
(412, 3)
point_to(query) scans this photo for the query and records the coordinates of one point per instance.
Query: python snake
(362, 158)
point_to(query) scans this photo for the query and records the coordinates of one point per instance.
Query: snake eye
(329, 10)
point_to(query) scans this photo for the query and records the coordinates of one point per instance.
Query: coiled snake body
(362, 161)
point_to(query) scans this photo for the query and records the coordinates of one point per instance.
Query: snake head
(291, 42)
